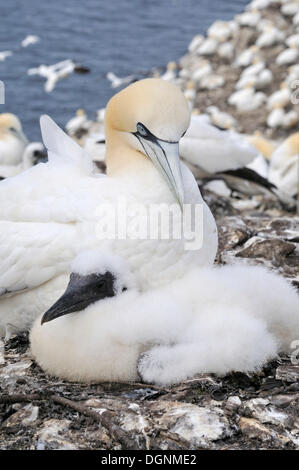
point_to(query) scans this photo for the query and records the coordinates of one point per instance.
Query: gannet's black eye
(101, 284)
(124, 289)
(12, 129)
(142, 130)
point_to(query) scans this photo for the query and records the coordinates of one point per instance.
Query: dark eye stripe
(142, 131)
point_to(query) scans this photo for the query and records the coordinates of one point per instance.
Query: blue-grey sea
(122, 36)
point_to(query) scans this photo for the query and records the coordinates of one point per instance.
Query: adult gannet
(280, 98)
(290, 8)
(288, 56)
(221, 30)
(221, 119)
(227, 155)
(208, 47)
(78, 123)
(4, 55)
(214, 150)
(284, 166)
(270, 37)
(248, 18)
(117, 82)
(195, 43)
(171, 72)
(66, 206)
(29, 40)
(212, 320)
(248, 57)
(276, 117)
(54, 73)
(33, 154)
(12, 140)
(226, 50)
(247, 99)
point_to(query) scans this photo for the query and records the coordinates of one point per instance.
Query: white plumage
(61, 213)
(214, 150)
(214, 320)
(31, 155)
(284, 166)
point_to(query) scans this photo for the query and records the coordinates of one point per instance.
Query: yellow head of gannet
(10, 126)
(146, 121)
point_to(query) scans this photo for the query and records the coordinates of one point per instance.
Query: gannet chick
(283, 170)
(66, 203)
(88, 312)
(103, 329)
(12, 140)
(33, 154)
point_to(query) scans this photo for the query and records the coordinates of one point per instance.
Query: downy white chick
(103, 329)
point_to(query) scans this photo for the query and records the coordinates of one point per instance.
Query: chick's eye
(101, 284)
(124, 289)
(141, 129)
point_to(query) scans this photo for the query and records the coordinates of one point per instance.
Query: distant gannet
(215, 320)
(117, 82)
(54, 73)
(284, 166)
(33, 154)
(65, 204)
(288, 56)
(214, 150)
(77, 123)
(29, 40)
(4, 55)
(12, 140)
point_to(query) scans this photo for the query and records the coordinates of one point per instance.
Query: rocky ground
(238, 411)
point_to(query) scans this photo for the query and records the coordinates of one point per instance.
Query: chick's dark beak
(81, 292)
